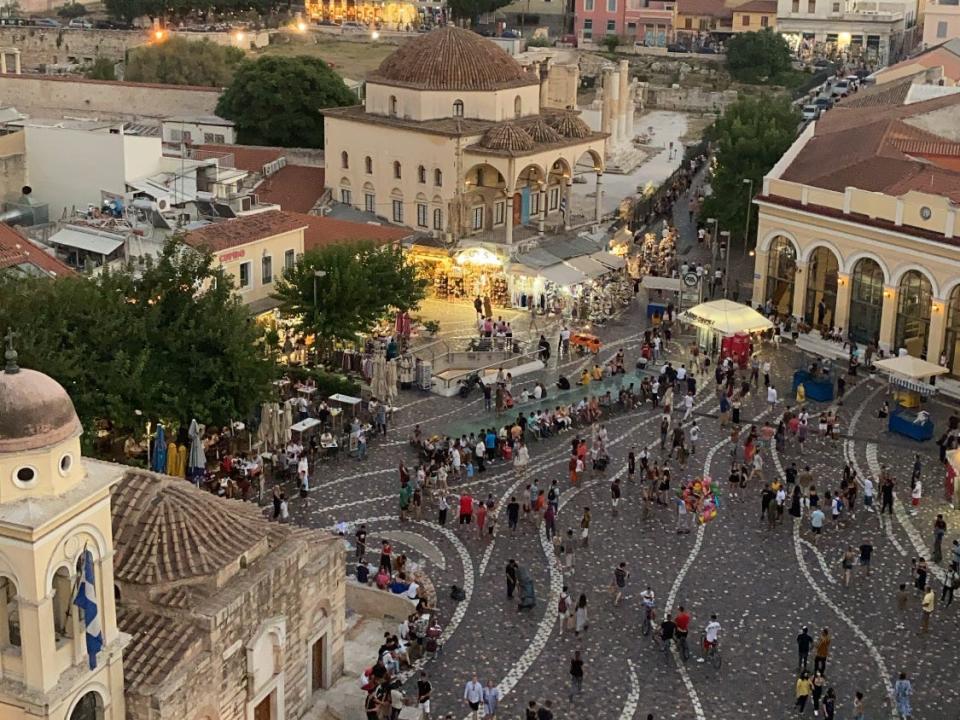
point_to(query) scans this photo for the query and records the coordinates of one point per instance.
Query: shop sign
(231, 256)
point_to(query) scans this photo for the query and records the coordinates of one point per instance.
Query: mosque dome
(507, 136)
(570, 126)
(542, 133)
(451, 58)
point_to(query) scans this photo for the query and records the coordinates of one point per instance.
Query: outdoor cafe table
(304, 425)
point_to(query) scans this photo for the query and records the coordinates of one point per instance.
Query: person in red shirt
(682, 621)
(466, 509)
(481, 518)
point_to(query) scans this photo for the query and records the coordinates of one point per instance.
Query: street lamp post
(726, 273)
(746, 232)
(316, 274)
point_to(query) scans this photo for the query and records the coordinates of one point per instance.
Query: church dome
(35, 412)
(507, 136)
(450, 58)
(570, 126)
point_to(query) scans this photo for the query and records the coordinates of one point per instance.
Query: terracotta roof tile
(758, 6)
(240, 231)
(294, 187)
(880, 149)
(507, 136)
(945, 55)
(713, 8)
(245, 157)
(450, 58)
(892, 93)
(17, 250)
(157, 646)
(323, 231)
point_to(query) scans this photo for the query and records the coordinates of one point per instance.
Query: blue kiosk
(910, 384)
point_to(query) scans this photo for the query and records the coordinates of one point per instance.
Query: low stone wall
(693, 99)
(371, 602)
(52, 46)
(54, 96)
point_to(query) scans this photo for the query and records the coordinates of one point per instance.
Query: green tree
(101, 69)
(748, 139)
(178, 61)
(278, 100)
(758, 56)
(472, 9)
(72, 10)
(360, 284)
(172, 343)
(611, 43)
(129, 10)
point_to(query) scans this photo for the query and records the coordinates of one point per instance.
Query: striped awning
(903, 383)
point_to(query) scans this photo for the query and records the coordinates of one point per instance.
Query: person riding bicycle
(649, 602)
(711, 636)
(668, 630)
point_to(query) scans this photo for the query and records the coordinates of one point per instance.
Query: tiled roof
(450, 58)
(712, 8)
(165, 530)
(570, 126)
(541, 132)
(891, 93)
(242, 230)
(294, 187)
(323, 231)
(245, 157)
(882, 149)
(757, 6)
(946, 55)
(17, 250)
(507, 136)
(158, 644)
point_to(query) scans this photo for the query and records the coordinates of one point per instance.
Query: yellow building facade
(858, 228)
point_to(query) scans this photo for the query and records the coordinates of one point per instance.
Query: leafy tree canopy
(473, 9)
(101, 69)
(178, 61)
(749, 139)
(72, 10)
(278, 100)
(361, 284)
(174, 343)
(758, 56)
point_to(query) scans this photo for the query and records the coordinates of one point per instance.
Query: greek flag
(86, 600)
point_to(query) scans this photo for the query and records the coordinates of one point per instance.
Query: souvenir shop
(658, 254)
(726, 326)
(467, 274)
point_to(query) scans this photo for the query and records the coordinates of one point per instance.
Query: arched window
(90, 707)
(393, 105)
(438, 178)
(781, 275)
(421, 174)
(820, 305)
(438, 219)
(951, 345)
(866, 301)
(368, 165)
(458, 108)
(344, 160)
(913, 314)
(396, 169)
(9, 613)
(62, 618)
(517, 106)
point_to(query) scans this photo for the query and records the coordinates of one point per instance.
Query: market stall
(950, 479)
(729, 324)
(909, 384)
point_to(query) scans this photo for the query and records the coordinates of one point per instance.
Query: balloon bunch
(700, 497)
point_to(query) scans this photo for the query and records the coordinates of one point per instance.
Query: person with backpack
(620, 576)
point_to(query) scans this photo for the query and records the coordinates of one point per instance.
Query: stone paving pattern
(764, 584)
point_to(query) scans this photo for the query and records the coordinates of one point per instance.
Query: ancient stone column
(624, 96)
(611, 102)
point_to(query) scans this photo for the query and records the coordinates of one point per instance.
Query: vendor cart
(910, 388)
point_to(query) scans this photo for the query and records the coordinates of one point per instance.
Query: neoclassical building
(860, 215)
(206, 610)
(455, 138)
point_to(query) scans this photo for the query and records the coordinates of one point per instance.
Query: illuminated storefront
(389, 14)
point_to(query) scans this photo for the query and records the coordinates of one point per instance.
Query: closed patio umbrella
(171, 468)
(159, 463)
(181, 468)
(286, 423)
(197, 461)
(267, 418)
(392, 379)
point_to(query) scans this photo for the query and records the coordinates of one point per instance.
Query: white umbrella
(265, 431)
(197, 462)
(286, 422)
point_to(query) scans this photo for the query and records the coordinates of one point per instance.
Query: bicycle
(712, 654)
(649, 614)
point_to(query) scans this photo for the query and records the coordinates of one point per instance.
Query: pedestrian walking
(846, 562)
(858, 710)
(512, 577)
(939, 530)
(903, 600)
(564, 608)
(580, 616)
(950, 583)
(491, 698)
(803, 690)
(620, 576)
(424, 691)
(804, 643)
(886, 495)
(822, 651)
(817, 686)
(473, 696)
(585, 527)
(902, 694)
(576, 675)
(926, 609)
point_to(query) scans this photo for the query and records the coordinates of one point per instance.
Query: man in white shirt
(868, 494)
(687, 406)
(656, 349)
(537, 391)
(766, 372)
(711, 636)
(303, 472)
(682, 373)
(771, 396)
(473, 696)
(694, 435)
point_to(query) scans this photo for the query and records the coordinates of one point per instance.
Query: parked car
(821, 63)
(824, 103)
(841, 88)
(45, 22)
(677, 47)
(511, 34)
(810, 112)
(707, 50)
(352, 27)
(80, 24)
(853, 81)
(568, 40)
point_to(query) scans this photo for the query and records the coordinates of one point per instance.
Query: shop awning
(92, 241)
(562, 274)
(726, 317)
(590, 268)
(614, 262)
(654, 282)
(910, 367)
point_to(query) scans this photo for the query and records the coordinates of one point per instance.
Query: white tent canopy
(910, 367)
(726, 317)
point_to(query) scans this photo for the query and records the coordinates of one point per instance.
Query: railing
(455, 378)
